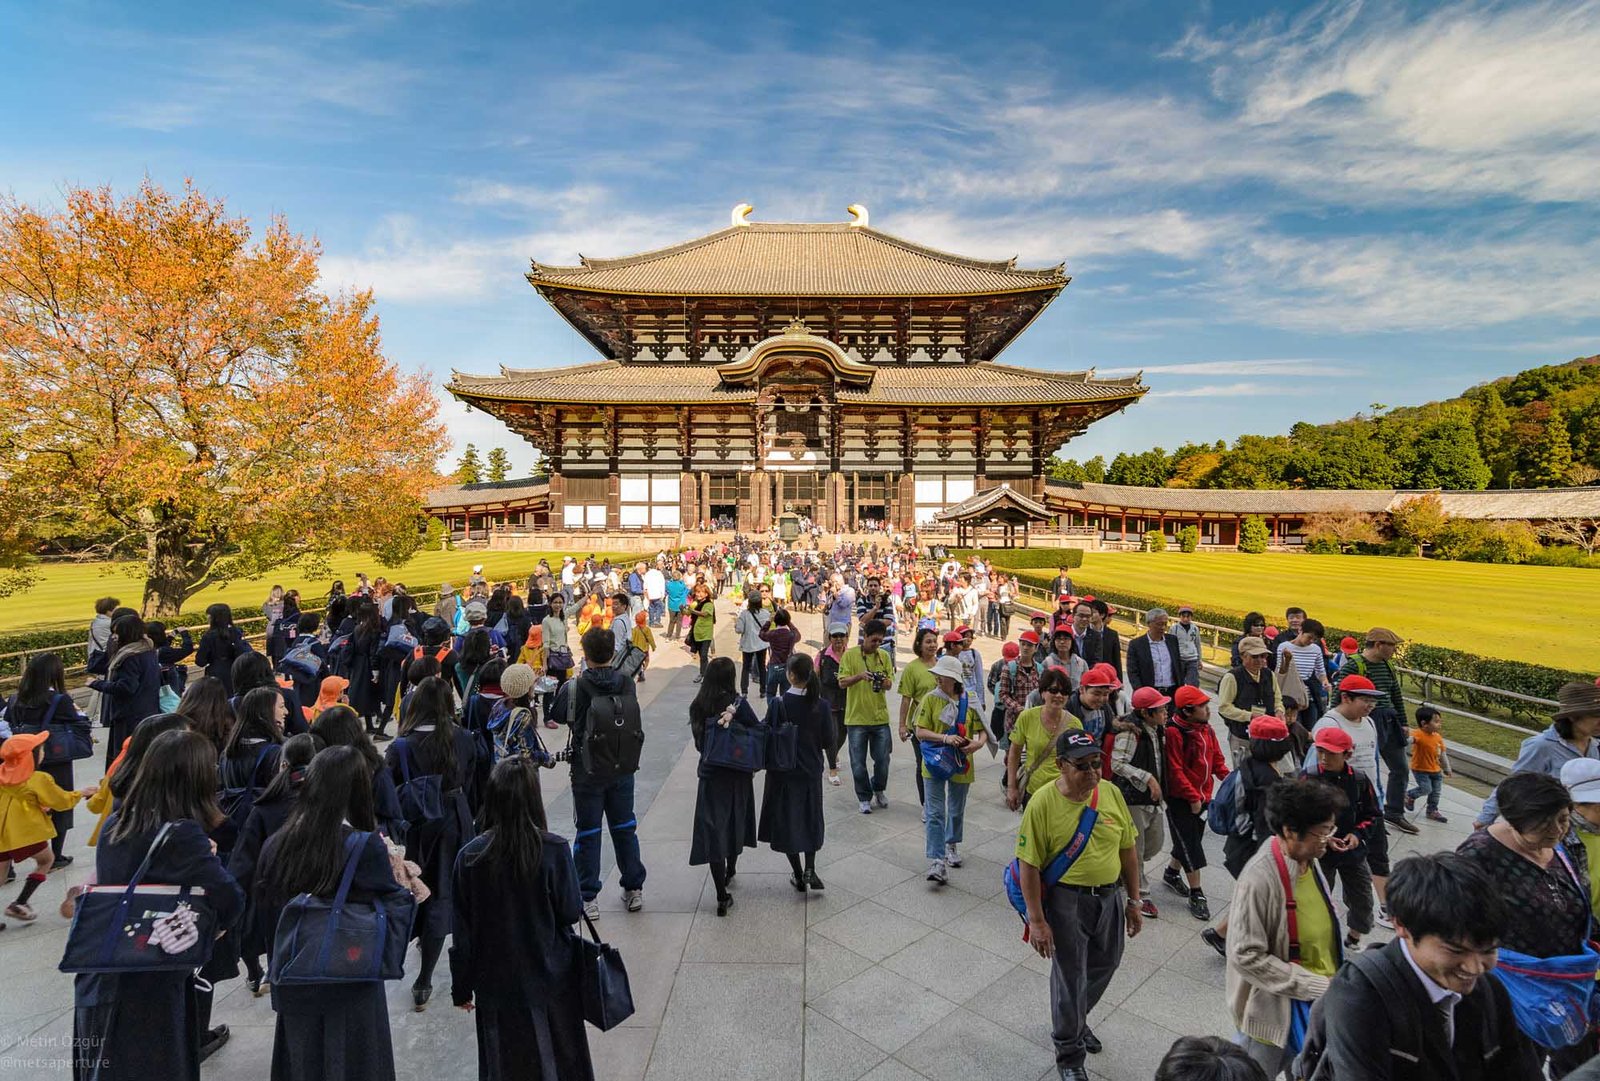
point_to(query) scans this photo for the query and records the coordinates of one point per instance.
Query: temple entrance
(799, 493)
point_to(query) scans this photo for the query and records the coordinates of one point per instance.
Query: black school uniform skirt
(791, 812)
(332, 1033)
(724, 816)
(533, 1043)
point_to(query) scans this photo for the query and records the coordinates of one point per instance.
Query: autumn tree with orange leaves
(187, 392)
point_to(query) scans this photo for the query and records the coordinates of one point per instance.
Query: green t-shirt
(927, 716)
(862, 704)
(1038, 746)
(915, 681)
(1313, 921)
(703, 624)
(1050, 820)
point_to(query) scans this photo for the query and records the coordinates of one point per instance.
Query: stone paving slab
(881, 977)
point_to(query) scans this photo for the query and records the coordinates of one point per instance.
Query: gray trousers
(1089, 935)
(1150, 835)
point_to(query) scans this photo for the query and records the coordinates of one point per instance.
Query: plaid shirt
(1017, 682)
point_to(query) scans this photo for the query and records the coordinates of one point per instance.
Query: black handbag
(607, 997)
(69, 740)
(132, 928)
(783, 739)
(338, 941)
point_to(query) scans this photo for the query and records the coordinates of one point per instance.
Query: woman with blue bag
(514, 962)
(432, 763)
(336, 1030)
(791, 804)
(1546, 962)
(949, 732)
(131, 1024)
(725, 800)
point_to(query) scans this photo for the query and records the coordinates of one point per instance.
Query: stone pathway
(880, 977)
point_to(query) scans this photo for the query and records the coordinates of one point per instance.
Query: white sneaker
(1383, 917)
(880, 799)
(866, 807)
(592, 909)
(950, 857)
(936, 872)
(633, 900)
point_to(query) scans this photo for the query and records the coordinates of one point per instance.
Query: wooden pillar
(613, 500)
(1124, 523)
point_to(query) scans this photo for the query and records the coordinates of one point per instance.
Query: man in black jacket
(1422, 1007)
(1153, 659)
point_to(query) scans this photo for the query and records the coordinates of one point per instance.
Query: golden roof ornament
(741, 215)
(859, 213)
(797, 326)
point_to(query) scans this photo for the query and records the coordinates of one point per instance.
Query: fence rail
(1213, 636)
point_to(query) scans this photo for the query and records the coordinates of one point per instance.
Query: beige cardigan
(1260, 981)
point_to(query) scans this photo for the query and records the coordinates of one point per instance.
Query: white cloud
(1232, 390)
(1285, 368)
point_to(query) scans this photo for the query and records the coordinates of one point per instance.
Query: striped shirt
(865, 604)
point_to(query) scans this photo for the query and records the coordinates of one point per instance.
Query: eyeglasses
(1084, 765)
(1320, 835)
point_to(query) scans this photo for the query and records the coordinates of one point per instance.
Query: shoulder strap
(49, 714)
(261, 756)
(144, 865)
(353, 845)
(1077, 844)
(1288, 900)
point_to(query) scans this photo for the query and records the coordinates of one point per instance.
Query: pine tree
(469, 470)
(1550, 458)
(499, 464)
(1492, 424)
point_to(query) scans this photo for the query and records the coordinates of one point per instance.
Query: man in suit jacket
(1103, 645)
(1062, 584)
(1423, 1008)
(1153, 659)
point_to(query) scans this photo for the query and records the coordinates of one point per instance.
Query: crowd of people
(268, 778)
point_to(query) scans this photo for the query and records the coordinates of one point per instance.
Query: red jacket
(1194, 761)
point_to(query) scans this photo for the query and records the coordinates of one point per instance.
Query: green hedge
(1009, 559)
(1537, 681)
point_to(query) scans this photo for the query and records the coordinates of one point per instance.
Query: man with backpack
(601, 710)
(1422, 1008)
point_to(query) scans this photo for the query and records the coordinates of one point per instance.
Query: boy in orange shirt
(1429, 763)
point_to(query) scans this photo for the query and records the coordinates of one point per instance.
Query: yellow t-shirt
(927, 716)
(1050, 820)
(1038, 746)
(1591, 847)
(915, 681)
(862, 704)
(1318, 951)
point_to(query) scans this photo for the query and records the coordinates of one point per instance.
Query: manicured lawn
(64, 593)
(1540, 615)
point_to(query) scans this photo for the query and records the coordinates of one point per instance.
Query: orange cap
(16, 756)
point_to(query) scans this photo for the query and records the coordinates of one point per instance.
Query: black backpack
(613, 736)
(1405, 1031)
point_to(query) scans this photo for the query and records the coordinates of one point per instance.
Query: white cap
(1582, 778)
(949, 667)
(477, 568)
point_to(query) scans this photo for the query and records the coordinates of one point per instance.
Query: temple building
(830, 371)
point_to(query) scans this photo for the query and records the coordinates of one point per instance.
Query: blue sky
(1277, 214)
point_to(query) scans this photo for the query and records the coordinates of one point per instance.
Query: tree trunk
(166, 571)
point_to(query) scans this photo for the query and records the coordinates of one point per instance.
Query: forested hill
(1537, 429)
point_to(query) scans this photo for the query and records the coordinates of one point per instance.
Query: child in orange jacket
(27, 796)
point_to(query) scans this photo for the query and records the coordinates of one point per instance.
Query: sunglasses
(1084, 765)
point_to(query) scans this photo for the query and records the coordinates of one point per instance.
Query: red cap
(951, 636)
(1355, 683)
(1271, 632)
(1187, 696)
(1101, 675)
(964, 631)
(1010, 651)
(1149, 698)
(1028, 636)
(1268, 727)
(1350, 645)
(1064, 597)
(1182, 608)
(1335, 739)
